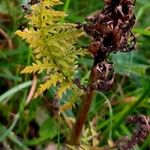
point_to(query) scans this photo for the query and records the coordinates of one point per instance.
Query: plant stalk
(81, 118)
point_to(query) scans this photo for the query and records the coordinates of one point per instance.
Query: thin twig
(10, 45)
(32, 90)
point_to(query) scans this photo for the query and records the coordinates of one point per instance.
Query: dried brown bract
(110, 28)
(110, 31)
(102, 76)
(140, 133)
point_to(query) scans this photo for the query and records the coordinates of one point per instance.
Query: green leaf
(48, 129)
(141, 31)
(53, 45)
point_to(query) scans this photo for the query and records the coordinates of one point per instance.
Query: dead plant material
(140, 133)
(32, 90)
(110, 31)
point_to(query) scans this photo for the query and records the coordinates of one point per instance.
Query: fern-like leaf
(53, 45)
(57, 77)
(64, 86)
(39, 67)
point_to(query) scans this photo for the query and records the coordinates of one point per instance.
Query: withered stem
(81, 118)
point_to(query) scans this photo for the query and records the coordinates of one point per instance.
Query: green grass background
(129, 96)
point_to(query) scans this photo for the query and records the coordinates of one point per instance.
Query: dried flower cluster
(110, 30)
(140, 133)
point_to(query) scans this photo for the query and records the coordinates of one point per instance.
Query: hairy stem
(81, 118)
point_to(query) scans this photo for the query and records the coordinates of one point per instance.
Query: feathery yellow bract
(53, 45)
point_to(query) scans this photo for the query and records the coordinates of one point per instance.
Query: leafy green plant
(53, 45)
(33, 126)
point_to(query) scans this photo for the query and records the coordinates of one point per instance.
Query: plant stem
(82, 115)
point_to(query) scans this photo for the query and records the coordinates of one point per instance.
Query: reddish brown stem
(82, 115)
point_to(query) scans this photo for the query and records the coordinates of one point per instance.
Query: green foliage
(53, 45)
(48, 129)
(129, 96)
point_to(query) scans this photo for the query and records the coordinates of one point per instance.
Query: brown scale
(105, 38)
(140, 133)
(102, 76)
(110, 31)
